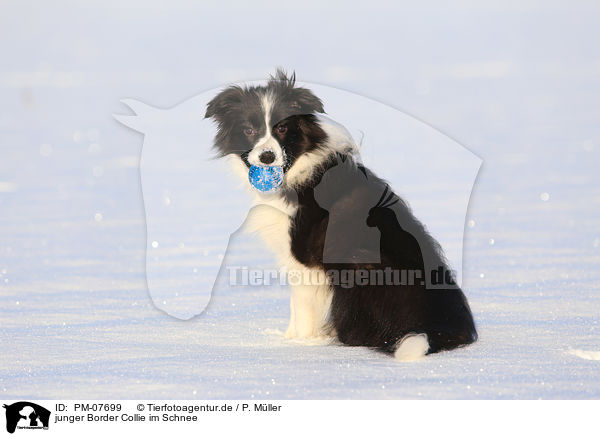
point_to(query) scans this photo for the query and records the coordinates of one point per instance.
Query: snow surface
(516, 84)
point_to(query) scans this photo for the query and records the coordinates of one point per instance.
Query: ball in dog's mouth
(266, 178)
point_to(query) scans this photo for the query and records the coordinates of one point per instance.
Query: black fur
(239, 108)
(378, 314)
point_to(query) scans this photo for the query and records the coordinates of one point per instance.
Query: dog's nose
(267, 157)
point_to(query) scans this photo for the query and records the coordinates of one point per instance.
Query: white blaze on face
(267, 142)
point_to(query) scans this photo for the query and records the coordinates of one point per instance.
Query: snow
(516, 84)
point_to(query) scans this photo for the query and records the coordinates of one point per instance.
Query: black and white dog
(322, 219)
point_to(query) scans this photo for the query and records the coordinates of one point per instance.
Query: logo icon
(26, 415)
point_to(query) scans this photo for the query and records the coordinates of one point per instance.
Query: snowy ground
(519, 85)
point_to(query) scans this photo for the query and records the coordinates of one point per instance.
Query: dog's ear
(306, 102)
(300, 99)
(224, 103)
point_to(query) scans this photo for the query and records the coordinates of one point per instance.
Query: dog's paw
(290, 333)
(412, 347)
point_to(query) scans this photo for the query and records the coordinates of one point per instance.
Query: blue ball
(266, 179)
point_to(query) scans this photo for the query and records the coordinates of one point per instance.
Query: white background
(361, 417)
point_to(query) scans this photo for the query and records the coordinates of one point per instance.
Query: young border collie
(280, 124)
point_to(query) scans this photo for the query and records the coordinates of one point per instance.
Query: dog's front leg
(302, 313)
(309, 309)
(290, 333)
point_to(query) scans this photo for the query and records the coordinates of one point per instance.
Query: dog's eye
(281, 129)
(249, 131)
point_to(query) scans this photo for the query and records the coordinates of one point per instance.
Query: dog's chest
(272, 219)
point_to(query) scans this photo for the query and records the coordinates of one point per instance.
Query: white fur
(412, 347)
(339, 140)
(310, 301)
(267, 106)
(267, 142)
(271, 218)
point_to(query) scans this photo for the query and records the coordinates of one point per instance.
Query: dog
(332, 216)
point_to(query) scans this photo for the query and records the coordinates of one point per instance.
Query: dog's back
(377, 304)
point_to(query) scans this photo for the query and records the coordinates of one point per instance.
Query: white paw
(290, 333)
(412, 347)
(308, 337)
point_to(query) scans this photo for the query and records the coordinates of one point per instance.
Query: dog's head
(271, 125)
